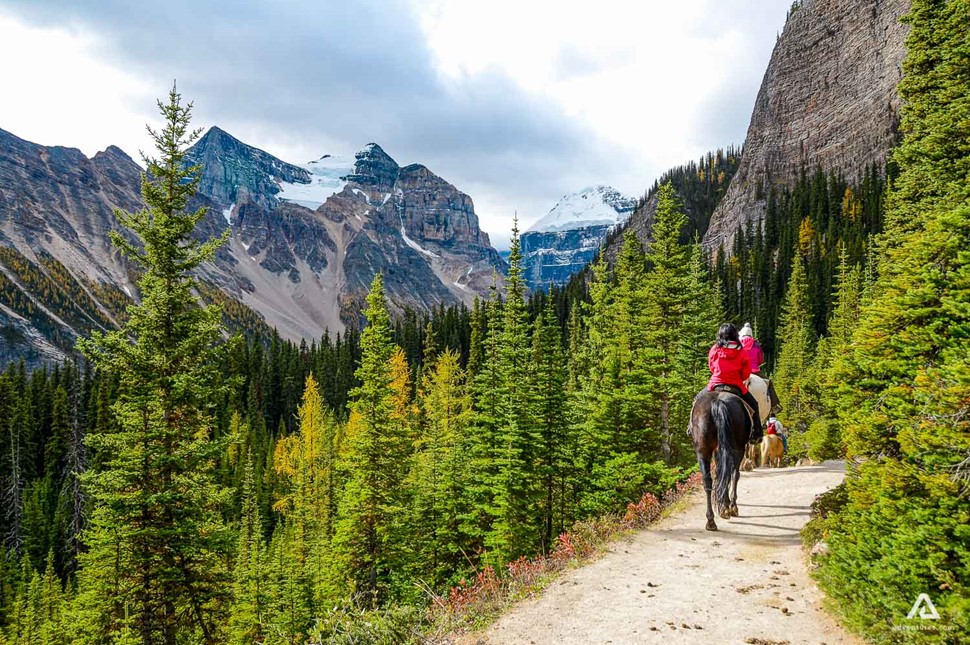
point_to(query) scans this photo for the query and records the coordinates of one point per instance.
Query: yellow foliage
(401, 385)
(806, 237)
(851, 207)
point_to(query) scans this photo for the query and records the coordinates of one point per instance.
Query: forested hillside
(179, 485)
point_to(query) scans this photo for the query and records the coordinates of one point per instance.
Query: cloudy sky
(516, 102)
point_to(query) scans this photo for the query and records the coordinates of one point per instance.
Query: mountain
(568, 237)
(828, 101)
(305, 240)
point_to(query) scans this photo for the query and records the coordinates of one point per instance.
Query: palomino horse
(772, 450)
(720, 423)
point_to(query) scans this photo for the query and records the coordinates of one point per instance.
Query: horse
(750, 461)
(720, 423)
(772, 450)
(759, 390)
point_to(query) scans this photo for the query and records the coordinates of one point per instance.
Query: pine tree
(247, 615)
(370, 512)
(795, 337)
(514, 531)
(156, 539)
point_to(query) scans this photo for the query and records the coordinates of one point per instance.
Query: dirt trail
(677, 583)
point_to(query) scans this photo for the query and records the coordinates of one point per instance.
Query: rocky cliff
(305, 241)
(828, 100)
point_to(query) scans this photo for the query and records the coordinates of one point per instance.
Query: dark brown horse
(720, 424)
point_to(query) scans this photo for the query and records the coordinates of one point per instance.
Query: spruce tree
(439, 473)
(370, 514)
(155, 565)
(668, 292)
(247, 616)
(555, 448)
(796, 341)
(514, 529)
(485, 439)
(824, 437)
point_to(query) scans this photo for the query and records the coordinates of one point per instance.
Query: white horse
(759, 390)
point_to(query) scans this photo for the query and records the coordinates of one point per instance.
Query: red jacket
(729, 366)
(755, 356)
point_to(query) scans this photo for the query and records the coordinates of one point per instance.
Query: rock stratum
(828, 101)
(305, 241)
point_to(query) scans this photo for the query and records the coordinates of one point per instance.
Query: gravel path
(677, 583)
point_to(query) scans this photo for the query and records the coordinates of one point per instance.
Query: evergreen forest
(178, 484)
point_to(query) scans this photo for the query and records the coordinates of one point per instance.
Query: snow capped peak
(370, 150)
(327, 177)
(592, 206)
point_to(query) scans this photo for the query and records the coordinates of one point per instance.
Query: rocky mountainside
(570, 234)
(827, 101)
(305, 241)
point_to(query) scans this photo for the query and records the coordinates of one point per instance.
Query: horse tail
(725, 456)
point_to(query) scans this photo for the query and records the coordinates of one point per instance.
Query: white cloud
(643, 77)
(514, 101)
(60, 93)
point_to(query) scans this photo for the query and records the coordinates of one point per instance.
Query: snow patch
(386, 197)
(326, 178)
(467, 275)
(360, 193)
(127, 290)
(595, 206)
(227, 213)
(414, 245)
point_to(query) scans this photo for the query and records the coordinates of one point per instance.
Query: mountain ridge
(302, 270)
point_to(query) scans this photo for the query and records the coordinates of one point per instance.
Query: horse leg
(705, 466)
(734, 486)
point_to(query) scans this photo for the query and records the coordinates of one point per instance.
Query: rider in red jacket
(730, 365)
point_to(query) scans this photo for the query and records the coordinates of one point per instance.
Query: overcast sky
(516, 102)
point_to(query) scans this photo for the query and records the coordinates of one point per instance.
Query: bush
(898, 533)
(351, 624)
(826, 504)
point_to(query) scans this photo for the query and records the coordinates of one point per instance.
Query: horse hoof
(734, 512)
(711, 526)
(725, 515)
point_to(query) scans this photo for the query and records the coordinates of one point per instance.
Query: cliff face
(828, 100)
(552, 257)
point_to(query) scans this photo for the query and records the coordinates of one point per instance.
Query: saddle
(736, 391)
